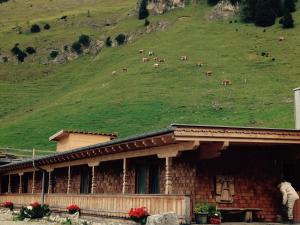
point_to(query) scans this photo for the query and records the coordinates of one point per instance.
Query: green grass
(83, 94)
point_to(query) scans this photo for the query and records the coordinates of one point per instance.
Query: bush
(290, 5)
(73, 208)
(33, 211)
(212, 2)
(143, 11)
(35, 28)
(54, 54)
(264, 15)
(76, 47)
(84, 40)
(120, 39)
(247, 11)
(287, 20)
(30, 50)
(2, 1)
(46, 26)
(108, 42)
(147, 22)
(16, 50)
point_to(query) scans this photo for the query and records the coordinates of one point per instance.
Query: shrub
(138, 215)
(76, 47)
(16, 50)
(264, 15)
(21, 56)
(290, 5)
(287, 20)
(247, 11)
(143, 11)
(54, 54)
(46, 26)
(34, 210)
(147, 22)
(84, 40)
(35, 28)
(73, 208)
(212, 2)
(120, 39)
(30, 50)
(2, 1)
(108, 42)
(9, 205)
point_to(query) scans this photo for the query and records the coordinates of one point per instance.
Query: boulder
(169, 218)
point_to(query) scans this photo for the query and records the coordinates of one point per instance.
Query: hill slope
(83, 94)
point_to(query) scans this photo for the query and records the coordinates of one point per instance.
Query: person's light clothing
(289, 196)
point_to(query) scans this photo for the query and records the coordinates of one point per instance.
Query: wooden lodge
(172, 169)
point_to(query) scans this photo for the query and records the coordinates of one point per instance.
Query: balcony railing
(110, 204)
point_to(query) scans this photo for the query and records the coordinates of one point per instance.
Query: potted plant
(73, 208)
(139, 215)
(214, 216)
(201, 212)
(9, 205)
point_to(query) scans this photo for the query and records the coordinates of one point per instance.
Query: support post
(9, 184)
(168, 184)
(33, 182)
(43, 188)
(93, 187)
(125, 176)
(50, 187)
(93, 178)
(69, 180)
(20, 183)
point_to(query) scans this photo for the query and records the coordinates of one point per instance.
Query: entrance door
(141, 173)
(147, 179)
(85, 181)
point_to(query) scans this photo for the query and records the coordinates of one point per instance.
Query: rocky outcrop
(161, 6)
(223, 10)
(163, 219)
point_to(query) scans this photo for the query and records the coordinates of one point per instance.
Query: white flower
(29, 207)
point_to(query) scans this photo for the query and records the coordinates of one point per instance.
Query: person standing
(289, 196)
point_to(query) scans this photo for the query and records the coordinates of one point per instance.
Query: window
(85, 181)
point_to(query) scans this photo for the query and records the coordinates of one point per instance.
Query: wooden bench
(248, 212)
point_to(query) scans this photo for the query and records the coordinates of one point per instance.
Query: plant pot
(201, 218)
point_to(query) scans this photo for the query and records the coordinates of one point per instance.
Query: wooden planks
(110, 205)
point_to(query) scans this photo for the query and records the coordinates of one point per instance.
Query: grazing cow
(146, 59)
(156, 65)
(183, 58)
(226, 82)
(125, 69)
(281, 38)
(161, 60)
(114, 72)
(209, 73)
(150, 53)
(199, 64)
(141, 51)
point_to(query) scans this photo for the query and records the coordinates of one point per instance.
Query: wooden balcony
(109, 204)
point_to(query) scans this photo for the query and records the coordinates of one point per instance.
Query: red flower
(73, 208)
(35, 204)
(214, 220)
(8, 204)
(137, 213)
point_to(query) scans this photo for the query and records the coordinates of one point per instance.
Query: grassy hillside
(83, 94)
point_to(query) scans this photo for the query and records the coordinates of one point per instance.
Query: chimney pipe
(297, 108)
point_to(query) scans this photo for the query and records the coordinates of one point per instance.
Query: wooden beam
(125, 176)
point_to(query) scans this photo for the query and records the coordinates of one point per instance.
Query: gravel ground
(6, 219)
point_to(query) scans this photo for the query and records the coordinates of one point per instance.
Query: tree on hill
(290, 5)
(143, 11)
(277, 7)
(264, 14)
(248, 10)
(287, 21)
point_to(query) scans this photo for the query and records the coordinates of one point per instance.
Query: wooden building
(166, 170)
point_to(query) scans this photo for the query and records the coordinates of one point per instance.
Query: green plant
(143, 11)
(146, 23)
(33, 211)
(35, 28)
(30, 50)
(120, 39)
(264, 14)
(54, 54)
(67, 222)
(201, 207)
(84, 40)
(290, 5)
(108, 42)
(76, 47)
(287, 20)
(46, 26)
